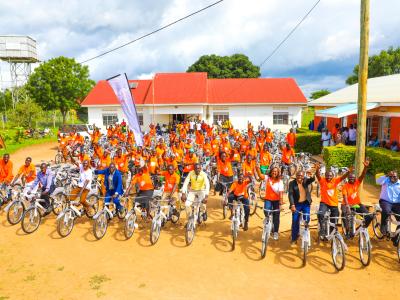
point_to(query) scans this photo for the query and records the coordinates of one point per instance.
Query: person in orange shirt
(287, 157)
(269, 137)
(144, 186)
(238, 192)
(329, 197)
(291, 138)
(83, 155)
(26, 172)
(152, 163)
(248, 166)
(265, 159)
(351, 199)
(273, 199)
(188, 163)
(225, 171)
(6, 169)
(121, 163)
(207, 148)
(172, 180)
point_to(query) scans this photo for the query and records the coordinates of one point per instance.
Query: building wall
(395, 129)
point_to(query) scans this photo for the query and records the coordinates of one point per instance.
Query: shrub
(308, 141)
(382, 160)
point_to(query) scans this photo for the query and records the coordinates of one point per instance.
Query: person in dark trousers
(300, 201)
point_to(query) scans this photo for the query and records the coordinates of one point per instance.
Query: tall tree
(234, 66)
(318, 94)
(387, 62)
(60, 84)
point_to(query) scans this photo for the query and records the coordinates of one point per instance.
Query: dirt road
(44, 266)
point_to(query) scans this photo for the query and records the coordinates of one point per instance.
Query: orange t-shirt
(269, 137)
(248, 168)
(351, 191)
(207, 149)
(286, 155)
(273, 189)
(6, 174)
(291, 138)
(153, 164)
(240, 189)
(121, 162)
(225, 168)
(189, 163)
(236, 156)
(170, 181)
(329, 191)
(26, 170)
(104, 162)
(144, 181)
(265, 158)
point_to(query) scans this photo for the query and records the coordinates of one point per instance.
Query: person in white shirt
(191, 126)
(326, 138)
(85, 179)
(352, 135)
(198, 126)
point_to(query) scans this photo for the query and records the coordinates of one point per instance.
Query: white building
(181, 96)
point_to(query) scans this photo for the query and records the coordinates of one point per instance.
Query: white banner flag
(120, 86)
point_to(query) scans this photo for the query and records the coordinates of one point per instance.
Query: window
(140, 119)
(385, 128)
(110, 119)
(280, 118)
(220, 116)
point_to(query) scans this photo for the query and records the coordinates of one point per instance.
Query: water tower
(20, 53)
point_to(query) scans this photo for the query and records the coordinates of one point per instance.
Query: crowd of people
(179, 155)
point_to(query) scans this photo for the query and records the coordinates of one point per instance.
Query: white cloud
(83, 29)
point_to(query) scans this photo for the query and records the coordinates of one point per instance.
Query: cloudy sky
(320, 54)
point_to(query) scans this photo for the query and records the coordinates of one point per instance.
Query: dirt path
(43, 266)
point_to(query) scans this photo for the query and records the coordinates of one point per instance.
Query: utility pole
(362, 86)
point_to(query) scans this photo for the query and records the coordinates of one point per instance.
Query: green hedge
(382, 160)
(308, 141)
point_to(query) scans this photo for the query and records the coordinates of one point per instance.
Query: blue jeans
(245, 202)
(272, 205)
(387, 208)
(107, 199)
(300, 207)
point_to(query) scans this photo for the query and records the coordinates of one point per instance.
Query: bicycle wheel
(122, 213)
(66, 223)
(305, 251)
(398, 248)
(189, 234)
(130, 227)
(59, 202)
(15, 212)
(253, 203)
(338, 255)
(175, 216)
(100, 225)
(31, 220)
(364, 246)
(155, 232)
(93, 201)
(264, 241)
(376, 225)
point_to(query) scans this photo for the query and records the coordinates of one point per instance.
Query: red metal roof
(187, 88)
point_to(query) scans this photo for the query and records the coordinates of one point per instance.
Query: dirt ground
(44, 266)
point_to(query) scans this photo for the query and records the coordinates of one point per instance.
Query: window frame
(114, 117)
(280, 121)
(223, 116)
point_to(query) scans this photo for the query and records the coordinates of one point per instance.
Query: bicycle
(131, 217)
(305, 235)
(268, 227)
(251, 191)
(224, 199)
(34, 213)
(193, 219)
(103, 217)
(16, 208)
(160, 218)
(353, 220)
(338, 246)
(376, 226)
(237, 220)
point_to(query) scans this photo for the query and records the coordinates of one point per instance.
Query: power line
(289, 34)
(153, 32)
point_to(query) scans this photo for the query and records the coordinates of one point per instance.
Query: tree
(318, 94)
(385, 63)
(60, 84)
(5, 100)
(26, 114)
(235, 66)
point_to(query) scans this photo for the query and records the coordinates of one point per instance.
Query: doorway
(178, 117)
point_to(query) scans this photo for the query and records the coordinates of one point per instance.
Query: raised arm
(318, 171)
(364, 172)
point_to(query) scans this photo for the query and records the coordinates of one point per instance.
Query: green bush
(308, 141)
(382, 160)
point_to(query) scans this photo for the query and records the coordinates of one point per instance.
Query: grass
(96, 281)
(12, 146)
(307, 115)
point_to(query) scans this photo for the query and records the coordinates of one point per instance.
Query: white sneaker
(276, 236)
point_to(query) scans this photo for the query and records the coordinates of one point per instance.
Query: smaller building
(383, 108)
(168, 97)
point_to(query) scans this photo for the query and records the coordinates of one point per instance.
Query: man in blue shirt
(45, 180)
(390, 197)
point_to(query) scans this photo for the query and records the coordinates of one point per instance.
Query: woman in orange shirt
(144, 186)
(248, 166)
(238, 192)
(225, 171)
(265, 159)
(273, 196)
